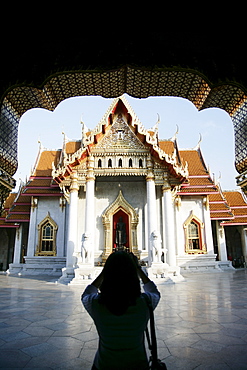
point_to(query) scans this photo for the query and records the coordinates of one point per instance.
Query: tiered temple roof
(199, 179)
(228, 207)
(188, 166)
(237, 203)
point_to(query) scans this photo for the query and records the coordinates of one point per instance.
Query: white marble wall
(105, 193)
(195, 204)
(39, 213)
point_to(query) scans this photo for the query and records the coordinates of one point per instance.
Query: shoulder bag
(154, 362)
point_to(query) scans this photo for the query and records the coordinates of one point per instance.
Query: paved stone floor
(201, 323)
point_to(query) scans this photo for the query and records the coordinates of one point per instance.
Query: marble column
(244, 241)
(151, 209)
(18, 240)
(208, 228)
(32, 235)
(221, 243)
(168, 208)
(88, 244)
(72, 222)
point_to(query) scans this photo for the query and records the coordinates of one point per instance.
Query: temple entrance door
(121, 226)
(120, 208)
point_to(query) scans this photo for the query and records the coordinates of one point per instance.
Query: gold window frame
(41, 225)
(200, 224)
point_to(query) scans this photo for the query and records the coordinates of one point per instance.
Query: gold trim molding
(120, 203)
(203, 249)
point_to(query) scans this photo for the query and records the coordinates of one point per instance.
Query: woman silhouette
(120, 313)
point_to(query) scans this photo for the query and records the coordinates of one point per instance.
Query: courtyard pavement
(201, 323)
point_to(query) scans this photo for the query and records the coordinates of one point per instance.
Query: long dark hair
(121, 285)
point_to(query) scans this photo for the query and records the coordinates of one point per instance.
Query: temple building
(120, 187)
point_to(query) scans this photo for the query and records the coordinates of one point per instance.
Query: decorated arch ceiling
(136, 82)
(210, 74)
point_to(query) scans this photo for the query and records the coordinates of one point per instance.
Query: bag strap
(153, 344)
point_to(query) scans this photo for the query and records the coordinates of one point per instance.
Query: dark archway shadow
(135, 81)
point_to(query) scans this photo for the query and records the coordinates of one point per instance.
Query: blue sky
(214, 125)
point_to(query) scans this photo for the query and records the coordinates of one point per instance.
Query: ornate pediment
(120, 136)
(120, 145)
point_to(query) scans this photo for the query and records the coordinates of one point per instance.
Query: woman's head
(121, 284)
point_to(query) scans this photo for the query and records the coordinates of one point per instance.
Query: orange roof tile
(167, 146)
(235, 221)
(238, 205)
(40, 186)
(219, 209)
(8, 204)
(202, 181)
(235, 199)
(196, 190)
(18, 218)
(4, 224)
(72, 147)
(221, 216)
(240, 211)
(44, 165)
(22, 199)
(19, 208)
(41, 192)
(195, 162)
(39, 181)
(217, 198)
(10, 200)
(199, 180)
(13, 213)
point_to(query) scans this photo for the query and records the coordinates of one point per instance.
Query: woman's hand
(135, 260)
(145, 279)
(98, 281)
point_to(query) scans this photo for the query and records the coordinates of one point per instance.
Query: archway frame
(120, 203)
(135, 81)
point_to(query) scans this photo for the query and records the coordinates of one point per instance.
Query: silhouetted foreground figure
(120, 313)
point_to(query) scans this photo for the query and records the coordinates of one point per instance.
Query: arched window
(120, 163)
(130, 163)
(194, 240)
(109, 162)
(140, 163)
(47, 237)
(193, 236)
(99, 163)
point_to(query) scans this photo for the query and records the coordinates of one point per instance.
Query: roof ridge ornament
(84, 130)
(174, 137)
(41, 148)
(155, 128)
(199, 142)
(65, 138)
